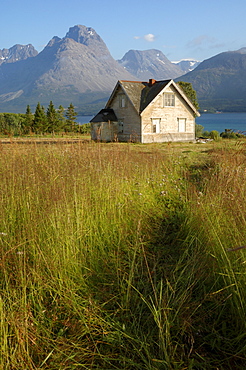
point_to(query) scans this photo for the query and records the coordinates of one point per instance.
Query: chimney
(151, 82)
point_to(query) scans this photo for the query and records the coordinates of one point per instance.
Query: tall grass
(116, 256)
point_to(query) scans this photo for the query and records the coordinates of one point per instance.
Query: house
(146, 112)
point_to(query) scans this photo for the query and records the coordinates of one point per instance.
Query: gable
(168, 88)
(131, 89)
(141, 94)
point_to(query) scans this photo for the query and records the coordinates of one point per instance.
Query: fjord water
(210, 121)
(222, 121)
(84, 119)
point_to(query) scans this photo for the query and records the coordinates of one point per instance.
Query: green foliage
(53, 122)
(199, 130)
(85, 128)
(60, 116)
(40, 120)
(214, 135)
(229, 134)
(190, 92)
(71, 118)
(206, 134)
(28, 122)
(11, 123)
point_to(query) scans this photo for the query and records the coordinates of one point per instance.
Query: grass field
(122, 256)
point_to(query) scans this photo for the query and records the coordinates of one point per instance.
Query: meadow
(122, 256)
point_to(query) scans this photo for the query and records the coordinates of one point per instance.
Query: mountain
(187, 65)
(220, 81)
(17, 52)
(77, 68)
(149, 64)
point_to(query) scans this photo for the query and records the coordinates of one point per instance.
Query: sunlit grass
(121, 256)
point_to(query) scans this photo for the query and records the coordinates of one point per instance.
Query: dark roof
(140, 93)
(105, 115)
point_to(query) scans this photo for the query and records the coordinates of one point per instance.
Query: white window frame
(156, 125)
(181, 124)
(122, 101)
(169, 100)
(120, 126)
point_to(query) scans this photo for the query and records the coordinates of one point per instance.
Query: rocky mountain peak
(16, 53)
(53, 41)
(84, 35)
(149, 63)
(87, 36)
(77, 68)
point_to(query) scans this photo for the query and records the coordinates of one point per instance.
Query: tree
(39, 122)
(189, 92)
(60, 116)
(52, 119)
(28, 121)
(199, 130)
(71, 118)
(11, 123)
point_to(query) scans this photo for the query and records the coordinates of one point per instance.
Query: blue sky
(179, 28)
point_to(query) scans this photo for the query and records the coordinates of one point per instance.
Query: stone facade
(169, 118)
(157, 111)
(128, 118)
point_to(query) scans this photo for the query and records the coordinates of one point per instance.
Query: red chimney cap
(152, 81)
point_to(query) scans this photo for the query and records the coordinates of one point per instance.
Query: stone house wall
(169, 120)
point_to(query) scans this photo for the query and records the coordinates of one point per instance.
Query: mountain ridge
(64, 70)
(16, 53)
(152, 63)
(219, 81)
(79, 68)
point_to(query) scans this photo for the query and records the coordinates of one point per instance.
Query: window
(122, 101)
(169, 100)
(156, 125)
(182, 124)
(120, 126)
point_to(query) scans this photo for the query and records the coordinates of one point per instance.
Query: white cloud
(150, 37)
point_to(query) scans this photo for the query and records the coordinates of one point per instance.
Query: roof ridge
(156, 81)
(139, 82)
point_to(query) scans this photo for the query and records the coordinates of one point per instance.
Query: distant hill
(187, 65)
(149, 64)
(16, 53)
(77, 68)
(220, 82)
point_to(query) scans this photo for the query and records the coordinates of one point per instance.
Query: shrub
(228, 134)
(206, 134)
(214, 135)
(85, 128)
(199, 130)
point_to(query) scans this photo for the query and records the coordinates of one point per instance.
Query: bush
(214, 135)
(206, 134)
(85, 128)
(199, 130)
(228, 134)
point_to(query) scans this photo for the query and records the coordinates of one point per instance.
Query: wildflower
(3, 234)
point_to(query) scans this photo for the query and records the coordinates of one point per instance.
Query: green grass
(121, 256)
